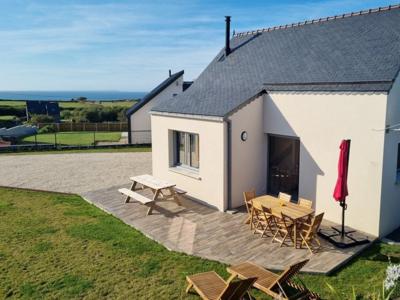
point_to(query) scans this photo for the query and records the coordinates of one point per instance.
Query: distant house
(138, 115)
(271, 109)
(49, 108)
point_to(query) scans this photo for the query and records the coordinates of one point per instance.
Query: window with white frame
(186, 149)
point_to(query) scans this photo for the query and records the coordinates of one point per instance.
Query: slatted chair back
(285, 277)
(315, 224)
(284, 197)
(287, 222)
(237, 289)
(270, 222)
(248, 197)
(305, 203)
(267, 212)
(258, 217)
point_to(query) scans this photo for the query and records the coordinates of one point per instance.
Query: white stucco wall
(390, 206)
(140, 120)
(249, 158)
(209, 185)
(321, 121)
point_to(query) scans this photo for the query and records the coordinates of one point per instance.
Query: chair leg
(306, 243)
(189, 287)
(274, 237)
(249, 295)
(283, 240)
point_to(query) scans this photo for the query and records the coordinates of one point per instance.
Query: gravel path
(73, 172)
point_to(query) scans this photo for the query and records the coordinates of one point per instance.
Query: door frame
(296, 138)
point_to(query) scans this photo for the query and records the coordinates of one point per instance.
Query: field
(58, 246)
(73, 105)
(74, 138)
(6, 118)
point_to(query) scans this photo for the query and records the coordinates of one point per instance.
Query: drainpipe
(129, 130)
(229, 161)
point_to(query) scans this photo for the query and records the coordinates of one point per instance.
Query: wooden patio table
(156, 185)
(295, 212)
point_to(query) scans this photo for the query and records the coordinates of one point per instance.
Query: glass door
(283, 165)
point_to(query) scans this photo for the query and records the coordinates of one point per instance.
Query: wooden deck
(205, 232)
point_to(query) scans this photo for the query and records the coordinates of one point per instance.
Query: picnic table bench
(159, 188)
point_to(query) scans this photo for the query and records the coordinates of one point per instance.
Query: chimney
(227, 35)
(169, 72)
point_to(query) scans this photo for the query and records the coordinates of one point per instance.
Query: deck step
(135, 196)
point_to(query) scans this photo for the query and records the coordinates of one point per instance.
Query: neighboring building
(138, 115)
(49, 108)
(271, 109)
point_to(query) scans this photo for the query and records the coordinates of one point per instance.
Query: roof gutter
(229, 163)
(129, 130)
(188, 116)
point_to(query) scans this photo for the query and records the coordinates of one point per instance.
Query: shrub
(66, 115)
(47, 129)
(12, 111)
(41, 119)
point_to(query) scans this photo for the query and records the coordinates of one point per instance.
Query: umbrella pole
(343, 203)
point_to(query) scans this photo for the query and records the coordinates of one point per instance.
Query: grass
(74, 138)
(7, 118)
(96, 150)
(59, 246)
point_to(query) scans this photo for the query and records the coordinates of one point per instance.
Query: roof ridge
(320, 20)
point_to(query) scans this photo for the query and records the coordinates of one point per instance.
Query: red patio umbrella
(341, 190)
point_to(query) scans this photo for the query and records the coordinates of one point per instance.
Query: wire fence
(76, 140)
(83, 126)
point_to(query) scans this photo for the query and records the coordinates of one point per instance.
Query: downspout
(129, 129)
(229, 163)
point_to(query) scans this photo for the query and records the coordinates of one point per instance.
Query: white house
(271, 109)
(139, 124)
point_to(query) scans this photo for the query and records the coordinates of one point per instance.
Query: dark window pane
(194, 150)
(181, 148)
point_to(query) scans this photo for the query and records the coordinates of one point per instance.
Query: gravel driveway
(73, 172)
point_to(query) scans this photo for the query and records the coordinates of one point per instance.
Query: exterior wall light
(243, 136)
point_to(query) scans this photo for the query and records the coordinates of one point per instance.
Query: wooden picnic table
(278, 206)
(156, 185)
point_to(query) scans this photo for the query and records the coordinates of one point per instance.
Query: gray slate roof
(154, 92)
(357, 53)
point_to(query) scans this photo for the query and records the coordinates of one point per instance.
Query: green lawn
(7, 118)
(58, 246)
(74, 138)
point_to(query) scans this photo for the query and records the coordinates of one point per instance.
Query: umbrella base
(351, 237)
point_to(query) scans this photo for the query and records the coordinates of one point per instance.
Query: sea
(70, 95)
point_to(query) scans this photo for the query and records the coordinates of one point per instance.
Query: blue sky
(130, 45)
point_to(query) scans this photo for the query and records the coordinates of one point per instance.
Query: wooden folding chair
(248, 197)
(305, 203)
(210, 286)
(262, 219)
(308, 232)
(269, 223)
(284, 227)
(278, 286)
(284, 197)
